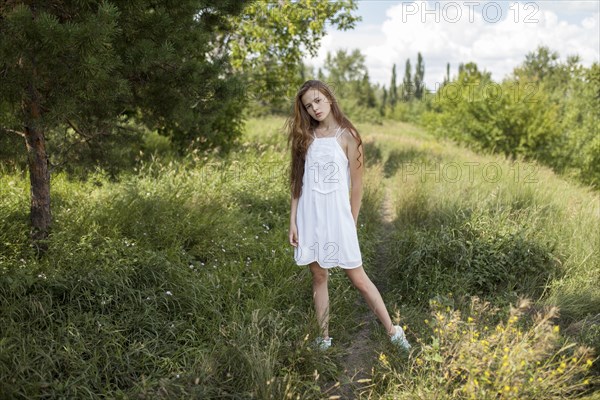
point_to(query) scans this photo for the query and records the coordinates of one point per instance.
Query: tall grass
(176, 280)
(471, 224)
(488, 226)
(173, 281)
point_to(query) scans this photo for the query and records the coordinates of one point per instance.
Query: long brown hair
(300, 125)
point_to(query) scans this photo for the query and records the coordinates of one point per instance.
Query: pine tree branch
(129, 128)
(22, 134)
(62, 151)
(78, 131)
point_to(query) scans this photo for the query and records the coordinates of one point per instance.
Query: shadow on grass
(373, 154)
(466, 252)
(397, 158)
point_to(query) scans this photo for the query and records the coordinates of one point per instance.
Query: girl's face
(316, 104)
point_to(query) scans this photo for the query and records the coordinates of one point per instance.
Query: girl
(326, 162)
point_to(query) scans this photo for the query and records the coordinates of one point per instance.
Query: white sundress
(326, 230)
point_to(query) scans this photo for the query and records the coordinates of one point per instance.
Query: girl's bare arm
(294, 203)
(293, 234)
(357, 167)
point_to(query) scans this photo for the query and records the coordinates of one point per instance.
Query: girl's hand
(294, 235)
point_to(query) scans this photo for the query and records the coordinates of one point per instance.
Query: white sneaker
(399, 338)
(323, 344)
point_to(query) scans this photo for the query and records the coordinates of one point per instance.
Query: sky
(494, 34)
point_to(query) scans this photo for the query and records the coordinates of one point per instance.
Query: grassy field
(177, 280)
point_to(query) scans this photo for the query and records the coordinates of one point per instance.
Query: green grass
(176, 280)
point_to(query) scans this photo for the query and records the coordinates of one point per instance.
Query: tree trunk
(39, 177)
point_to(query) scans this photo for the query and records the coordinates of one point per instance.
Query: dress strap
(339, 132)
(314, 134)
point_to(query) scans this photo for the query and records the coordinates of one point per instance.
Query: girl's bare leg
(372, 296)
(321, 296)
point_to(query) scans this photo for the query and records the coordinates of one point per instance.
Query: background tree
(90, 67)
(447, 77)
(539, 64)
(348, 77)
(407, 84)
(268, 41)
(384, 100)
(366, 92)
(419, 77)
(320, 75)
(345, 71)
(304, 71)
(547, 110)
(574, 91)
(393, 89)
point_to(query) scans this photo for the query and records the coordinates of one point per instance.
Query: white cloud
(363, 38)
(569, 7)
(495, 46)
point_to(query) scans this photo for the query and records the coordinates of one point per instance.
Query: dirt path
(360, 356)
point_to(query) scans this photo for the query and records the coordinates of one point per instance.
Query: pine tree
(87, 66)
